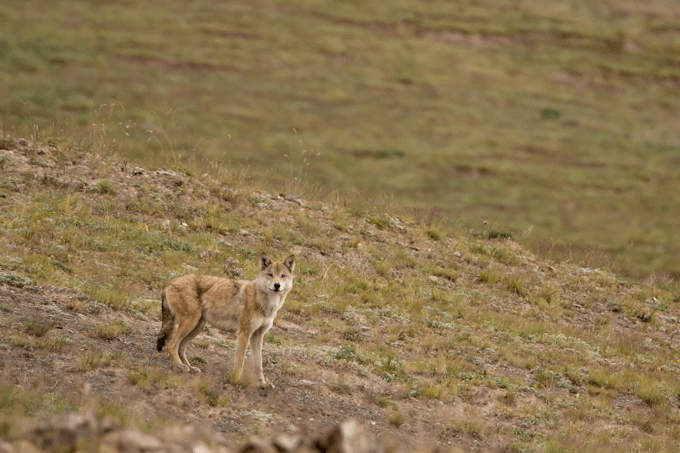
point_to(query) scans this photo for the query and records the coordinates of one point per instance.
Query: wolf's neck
(269, 303)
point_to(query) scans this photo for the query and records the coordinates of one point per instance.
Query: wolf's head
(276, 277)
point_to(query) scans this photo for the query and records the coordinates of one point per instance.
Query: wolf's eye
(270, 274)
(283, 275)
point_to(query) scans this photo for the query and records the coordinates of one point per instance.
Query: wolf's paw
(194, 369)
(265, 385)
(184, 368)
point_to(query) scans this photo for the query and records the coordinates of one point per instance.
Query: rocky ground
(426, 338)
(54, 369)
(84, 432)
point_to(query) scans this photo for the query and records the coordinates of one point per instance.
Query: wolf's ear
(265, 261)
(290, 263)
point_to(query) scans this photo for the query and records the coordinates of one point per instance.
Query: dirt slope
(427, 337)
(306, 404)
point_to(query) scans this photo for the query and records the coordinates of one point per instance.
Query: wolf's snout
(277, 286)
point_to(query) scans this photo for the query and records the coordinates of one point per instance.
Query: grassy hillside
(428, 335)
(555, 119)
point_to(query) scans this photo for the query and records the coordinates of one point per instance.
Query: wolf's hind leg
(186, 326)
(183, 344)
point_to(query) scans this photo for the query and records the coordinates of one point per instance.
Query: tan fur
(247, 307)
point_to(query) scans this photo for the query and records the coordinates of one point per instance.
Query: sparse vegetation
(342, 387)
(15, 280)
(382, 400)
(396, 418)
(105, 187)
(441, 321)
(555, 128)
(538, 76)
(198, 359)
(652, 393)
(490, 276)
(36, 329)
(206, 392)
(112, 330)
(147, 378)
(88, 360)
(433, 234)
(52, 343)
(517, 284)
(352, 334)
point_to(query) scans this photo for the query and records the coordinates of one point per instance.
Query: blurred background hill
(554, 121)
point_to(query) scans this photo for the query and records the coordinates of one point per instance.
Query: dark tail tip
(160, 343)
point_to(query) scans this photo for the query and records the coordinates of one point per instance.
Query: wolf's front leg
(256, 346)
(242, 339)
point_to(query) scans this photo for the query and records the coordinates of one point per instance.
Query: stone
(73, 432)
(62, 432)
(349, 437)
(288, 443)
(257, 445)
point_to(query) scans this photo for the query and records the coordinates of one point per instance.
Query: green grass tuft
(112, 330)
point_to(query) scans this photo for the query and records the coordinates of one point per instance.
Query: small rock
(645, 315)
(189, 268)
(23, 446)
(70, 432)
(287, 443)
(293, 198)
(5, 447)
(349, 437)
(61, 433)
(257, 445)
(131, 441)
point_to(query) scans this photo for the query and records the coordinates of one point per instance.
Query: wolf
(247, 307)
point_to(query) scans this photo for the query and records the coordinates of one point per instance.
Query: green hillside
(429, 336)
(556, 121)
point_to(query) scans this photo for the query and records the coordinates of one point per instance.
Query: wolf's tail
(167, 322)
